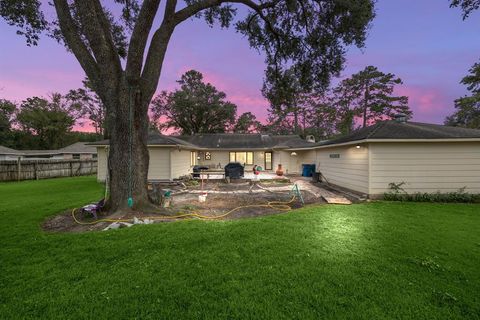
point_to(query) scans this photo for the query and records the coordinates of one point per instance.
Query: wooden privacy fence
(13, 170)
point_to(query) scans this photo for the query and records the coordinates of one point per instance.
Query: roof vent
(400, 118)
(310, 138)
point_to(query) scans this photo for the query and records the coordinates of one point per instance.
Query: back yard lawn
(371, 261)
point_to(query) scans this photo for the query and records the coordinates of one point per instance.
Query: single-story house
(172, 157)
(76, 151)
(426, 157)
(9, 154)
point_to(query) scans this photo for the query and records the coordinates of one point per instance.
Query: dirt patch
(249, 204)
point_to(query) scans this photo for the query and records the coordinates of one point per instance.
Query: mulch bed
(215, 205)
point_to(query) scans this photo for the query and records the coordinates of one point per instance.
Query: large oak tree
(197, 107)
(310, 35)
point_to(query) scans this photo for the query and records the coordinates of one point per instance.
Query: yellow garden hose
(277, 205)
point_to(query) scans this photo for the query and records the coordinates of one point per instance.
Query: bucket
(202, 197)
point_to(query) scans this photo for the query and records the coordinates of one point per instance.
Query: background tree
(286, 96)
(369, 93)
(321, 118)
(467, 112)
(46, 121)
(196, 107)
(7, 112)
(247, 123)
(90, 106)
(309, 35)
(467, 108)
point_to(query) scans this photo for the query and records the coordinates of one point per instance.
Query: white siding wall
(221, 157)
(159, 165)
(102, 164)
(180, 163)
(349, 171)
(425, 167)
(290, 164)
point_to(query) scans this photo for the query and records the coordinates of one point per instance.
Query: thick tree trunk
(128, 157)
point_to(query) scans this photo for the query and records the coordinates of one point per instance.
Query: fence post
(71, 168)
(35, 169)
(19, 168)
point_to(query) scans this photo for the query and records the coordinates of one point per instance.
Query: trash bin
(315, 176)
(308, 170)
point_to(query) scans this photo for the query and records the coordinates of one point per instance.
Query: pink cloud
(428, 104)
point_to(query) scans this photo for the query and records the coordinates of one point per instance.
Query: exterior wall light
(293, 153)
(358, 146)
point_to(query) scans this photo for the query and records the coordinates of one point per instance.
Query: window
(242, 157)
(76, 156)
(94, 156)
(208, 156)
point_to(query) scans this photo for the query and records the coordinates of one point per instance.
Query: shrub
(397, 193)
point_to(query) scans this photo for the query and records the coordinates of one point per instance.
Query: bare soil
(184, 202)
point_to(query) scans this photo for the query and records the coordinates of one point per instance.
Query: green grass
(367, 261)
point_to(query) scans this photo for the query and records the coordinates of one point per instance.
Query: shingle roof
(244, 141)
(40, 152)
(405, 130)
(79, 147)
(153, 139)
(5, 150)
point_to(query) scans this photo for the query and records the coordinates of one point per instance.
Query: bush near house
(397, 193)
(381, 260)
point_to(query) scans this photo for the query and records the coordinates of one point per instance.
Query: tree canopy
(7, 113)
(370, 94)
(467, 108)
(247, 123)
(197, 107)
(90, 106)
(46, 120)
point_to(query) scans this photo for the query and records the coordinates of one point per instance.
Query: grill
(234, 170)
(197, 169)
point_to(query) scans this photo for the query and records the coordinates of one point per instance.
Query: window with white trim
(242, 157)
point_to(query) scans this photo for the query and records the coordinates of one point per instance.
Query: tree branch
(156, 54)
(74, 42)
(98, 33)
(196, 7)
(138, 40)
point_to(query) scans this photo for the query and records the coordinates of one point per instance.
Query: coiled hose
(277, 205)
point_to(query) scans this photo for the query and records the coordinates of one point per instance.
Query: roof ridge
(380, 125)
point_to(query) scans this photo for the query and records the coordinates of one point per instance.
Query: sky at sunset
(424, 42)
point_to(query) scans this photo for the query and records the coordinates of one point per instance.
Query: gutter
(386, 141)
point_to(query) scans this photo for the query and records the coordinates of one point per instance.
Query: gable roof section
(78, 147)
(5, 150)
(393, 130)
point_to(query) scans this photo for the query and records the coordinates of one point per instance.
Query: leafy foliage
(7, 112)
(197, 107)
(467, 6)
(91, 106)
(48, 121)
(247, 123)
(26, 16)
(467, 108)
